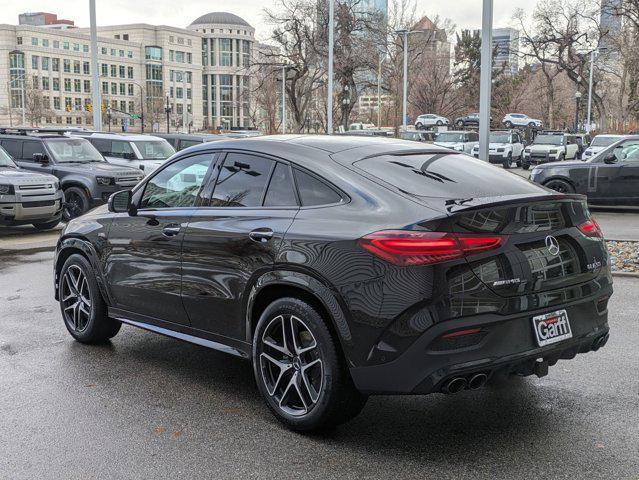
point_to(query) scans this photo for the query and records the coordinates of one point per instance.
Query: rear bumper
(504, 345)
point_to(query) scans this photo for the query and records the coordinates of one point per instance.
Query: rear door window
(443, 175)
(314, 191)
(281, 191)
(13, 147)
(241, 181)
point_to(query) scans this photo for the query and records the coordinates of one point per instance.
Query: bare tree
(35, 105)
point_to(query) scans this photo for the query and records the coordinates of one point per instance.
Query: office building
(506, 42)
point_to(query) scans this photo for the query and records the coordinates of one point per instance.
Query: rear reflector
(591, 228)
(405, 247)
(461, 333)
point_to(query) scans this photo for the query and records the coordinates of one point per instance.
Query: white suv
(550, 147)
(430, 120)
(599, 143)
(460, 141)
(505, 148)
(520, 120)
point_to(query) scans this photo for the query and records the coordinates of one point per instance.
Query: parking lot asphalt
(145, 406)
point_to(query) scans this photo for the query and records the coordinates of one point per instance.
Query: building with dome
(227, 45)
(200, 72)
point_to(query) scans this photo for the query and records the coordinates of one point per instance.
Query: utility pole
(141, 109)
(167, 109)
(95, 91)
(329, 99)
(593, 54)
(405, 97)
(379, 89)
(485, 81)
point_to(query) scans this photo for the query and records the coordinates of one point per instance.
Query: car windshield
(68, 150)
(450, 137)
(154, 149)
(600, 141)
(499, 138)
(549, 140)
(6, 160)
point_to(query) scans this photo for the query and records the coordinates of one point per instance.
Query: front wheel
(460, 123)
(76, 202)
(509, 124)
(560, 186)
(299, 370)
(419, 126)
(525, 165)
(439, 123)
(83, 309)
(508, 162)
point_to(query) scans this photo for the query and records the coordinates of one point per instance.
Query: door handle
(171, 230)
(261, 235)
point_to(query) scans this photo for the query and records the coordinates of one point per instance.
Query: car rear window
(444, 175)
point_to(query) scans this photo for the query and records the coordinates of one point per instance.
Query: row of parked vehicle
(511, 120)
(47, 175)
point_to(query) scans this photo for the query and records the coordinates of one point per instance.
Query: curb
(626, 274)
(26, 250)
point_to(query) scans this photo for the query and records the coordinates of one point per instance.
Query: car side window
(628, 151)
(29, 148)
(187, 143)
(178, 184)
(313, 191)
(13, 147)
(101, 145)
(121, 149)
(241, 181)
(281, 190)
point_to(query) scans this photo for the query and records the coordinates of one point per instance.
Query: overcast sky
(180, 13)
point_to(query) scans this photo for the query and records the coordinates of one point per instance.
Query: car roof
(456, 131)
(612, 135)
(190, 136)
(119, 136)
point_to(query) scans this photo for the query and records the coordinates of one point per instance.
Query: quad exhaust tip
(600, 342)
(477, 381)
(455, 385)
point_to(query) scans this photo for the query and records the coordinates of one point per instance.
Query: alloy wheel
(76, 299)
(291, 365)
(73, 206)
(558, 186)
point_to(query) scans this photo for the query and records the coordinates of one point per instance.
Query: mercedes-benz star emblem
(552, 245)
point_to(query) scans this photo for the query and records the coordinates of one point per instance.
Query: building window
(246, 53)
(129, 72)
(56, 44)
(45, 63)
(171, 56)
(189, 57)
(117, 36)
(77, 85)
(67, 84)
(123, 89)
(85, 48)
(87, 86)
(55, 64)
(76, 47)
(105, 88)
(114, 70)
(189, 77)
(153, 53)
(35, 61)
(35, 82)
(67, 65)
(121, 53)
(86, 68)
(130, 89)
(45, 42)
(171, 39)
(129, 54)
(105, 70)
(114, 88)
(56, 103)
(34, 41)
(104, 50)
(113, 52)
(76, 66)
(179, 57)
(56, 84)
(45, 83)
(19, 40)
(180, 41)
(122, 71)
(125, 36)
(226, 52)
(65, 45)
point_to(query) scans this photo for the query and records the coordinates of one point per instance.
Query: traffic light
(68, 108)
(89, 107)
(103, 108)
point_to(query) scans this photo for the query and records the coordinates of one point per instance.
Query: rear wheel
(47, 225)
(509, 124)
(419, 126)
(460, 123)
(439, 123)
(299, 370)
(560, 186)
(83, 309)
(76, 202)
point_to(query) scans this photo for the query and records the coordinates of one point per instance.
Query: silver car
(28, 197)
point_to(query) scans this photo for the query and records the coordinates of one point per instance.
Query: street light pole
(329, 95)
(485, 81)
(95, 92)
(577, 99)
(167, 109)
(592, 63)
(283, 98)
(379, 90)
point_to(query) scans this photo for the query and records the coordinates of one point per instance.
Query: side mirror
(41, 158)
(129, 155)
(120, 202)
(610, 158)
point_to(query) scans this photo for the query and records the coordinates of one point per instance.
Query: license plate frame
(552, 327)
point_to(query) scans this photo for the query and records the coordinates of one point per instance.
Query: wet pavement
(145, 406)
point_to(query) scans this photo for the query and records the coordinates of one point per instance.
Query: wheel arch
(282, 283)
(568, 180)
(77, 245)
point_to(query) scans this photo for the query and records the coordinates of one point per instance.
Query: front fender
(65, 244)
(310, 284)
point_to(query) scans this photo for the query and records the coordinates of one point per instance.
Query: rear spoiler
(455, 205)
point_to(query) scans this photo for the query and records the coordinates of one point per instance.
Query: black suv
(342, 267)
(85, 177)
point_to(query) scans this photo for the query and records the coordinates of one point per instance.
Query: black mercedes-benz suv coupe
(342, 267)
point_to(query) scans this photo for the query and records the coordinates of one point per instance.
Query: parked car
(85, 177)
(582, 140)
(600, 143)
(550, 147)
(342, 267)
(472, 119)
(180, 141)
(418, 136)
(609, 178)
(144, 152)
(460, 141)
(430, 120)
(505, 147)
(28, 198)
(520, 120)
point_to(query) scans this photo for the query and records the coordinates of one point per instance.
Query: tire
(47, 225)
(460, 123)
(559, 185)
(561, 157)
(76, 202)
(419, 126)
(309, 390)
(83, 309)
(525, 165)
(532, 125)
(509, 161)
(439, 123)
(508, 124)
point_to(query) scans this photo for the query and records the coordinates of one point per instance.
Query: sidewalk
(27, 239)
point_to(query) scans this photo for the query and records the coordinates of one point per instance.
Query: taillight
(404, 247)
(591, 228)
